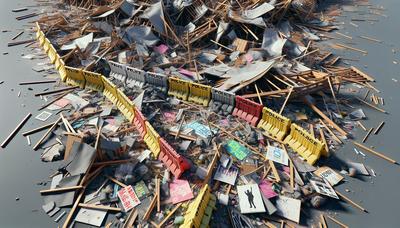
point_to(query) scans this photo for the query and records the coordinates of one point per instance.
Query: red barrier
(247, 110)
(139, 122)
(176, 163)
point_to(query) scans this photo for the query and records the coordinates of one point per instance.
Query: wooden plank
(15, 131)
(99, 207)
(375, 153)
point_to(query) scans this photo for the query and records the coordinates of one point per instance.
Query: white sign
(128, 198)
(329, 174)
(324, 188)
(288, 208)
(250, 200)
(226, 175)
(276, 154)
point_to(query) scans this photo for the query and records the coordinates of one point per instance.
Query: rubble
(178, 113)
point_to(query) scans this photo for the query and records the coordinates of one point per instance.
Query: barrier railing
(304, 144)
(199, 94)
(299, 139)
(274, 124)
(247, 110)
(176, 163)
(199, 211)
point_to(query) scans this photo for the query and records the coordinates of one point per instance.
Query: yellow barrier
(93, 81)
(38, 31)
(274, 124)
(178, 88)
(74, 77)
(46, 45)
(198, 213)
(125, 105)
(52, 53)
(58, 63)
(61, 69)
(42, 39)
(110, 90)
(199, 94)
(304, 144)
(152, 139)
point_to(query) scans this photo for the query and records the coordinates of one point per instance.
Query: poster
(128, 198)
(226, 175)
(250, 200)
(329, 174)
(236, 149)
(324, 188)
(276, 154)
(266, 189)
(288, 208)
(180, 191)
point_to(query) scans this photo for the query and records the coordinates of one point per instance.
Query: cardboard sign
(180, 191)
(128, 198)
(324, 188)
(288, 208)
(250, 200)
(236, 149)
(276, 154)
(266, 189)
(329, 174)
(226, 175)
(200, 129)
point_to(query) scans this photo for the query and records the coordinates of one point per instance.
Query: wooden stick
(158, 194)
(368, 133)
(286, 100)
(351, 48)
(37, 82)
(41, 128)
(274, 170)
(258, 94)
(150, 208)
(366, 95)
(16, 36)
(46, 134)
(371, 39)
(372, 106)
(379, 128)
(322, 218)
(61, 189)
(323, 139)
(56, 91)
(337, 222)
(334, 96)
(375, 153)
(331, 132)
(131, 219)
(15, 131)
(320, 113)
(361, 125)
(169, 215)
(99, 207)
(116, 181)
(54, 100)
(345, 198)
(115, 162)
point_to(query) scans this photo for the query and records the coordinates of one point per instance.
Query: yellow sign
(110, 90)
(274, 124)
(199, 94)
(178, 88)
(152, 139)
(93, 81)
(304, 144)
(75, 77)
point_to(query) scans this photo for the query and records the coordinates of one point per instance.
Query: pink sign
(128, 198)
(161, 48)
(180, 191)
(266, 189)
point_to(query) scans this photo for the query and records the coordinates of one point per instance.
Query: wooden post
(15, 131)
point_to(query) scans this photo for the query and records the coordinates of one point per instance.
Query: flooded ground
(21, 169)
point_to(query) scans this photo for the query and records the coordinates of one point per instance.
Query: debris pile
(187, 113)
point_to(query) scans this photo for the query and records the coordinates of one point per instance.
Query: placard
(128, 198)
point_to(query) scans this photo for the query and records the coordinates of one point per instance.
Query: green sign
(236, 149)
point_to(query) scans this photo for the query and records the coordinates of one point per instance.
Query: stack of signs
(288, 208)
(128, 198)
(236, 149)
(226, 175)
(324, 188)
(250, 200)
(329, 174)
(180, 191)
(276, 154)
